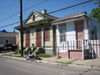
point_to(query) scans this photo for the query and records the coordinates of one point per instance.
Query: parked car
(8, 47)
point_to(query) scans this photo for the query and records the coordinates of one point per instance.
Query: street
(11, 66)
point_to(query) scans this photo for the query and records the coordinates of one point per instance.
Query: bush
(16, 52)
(45, 55)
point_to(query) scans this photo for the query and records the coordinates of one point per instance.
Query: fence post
(83, 49)
(68, 49)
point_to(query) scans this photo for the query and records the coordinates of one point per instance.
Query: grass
(13, 54)
(45, 55)
(16, 52)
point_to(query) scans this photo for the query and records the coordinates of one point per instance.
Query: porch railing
(93, 47)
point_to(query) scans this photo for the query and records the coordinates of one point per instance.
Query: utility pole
(21, 27)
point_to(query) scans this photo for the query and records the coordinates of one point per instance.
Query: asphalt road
(10, 66)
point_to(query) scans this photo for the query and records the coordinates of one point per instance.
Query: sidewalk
(89, 62)
(65, 61)
(79, 62)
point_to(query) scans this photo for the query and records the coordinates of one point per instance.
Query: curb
(79, 65)
(55, 63)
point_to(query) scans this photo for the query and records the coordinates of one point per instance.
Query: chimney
(44, 11)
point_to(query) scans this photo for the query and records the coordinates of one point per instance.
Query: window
(47, 33)
(62, 30)
(33, 17)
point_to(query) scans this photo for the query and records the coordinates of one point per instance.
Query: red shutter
(47, 33)
(79, 25)
(38, 38)
(27, 39)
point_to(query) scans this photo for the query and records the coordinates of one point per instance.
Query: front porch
(81, 49)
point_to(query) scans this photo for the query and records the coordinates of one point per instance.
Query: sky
(9, 7)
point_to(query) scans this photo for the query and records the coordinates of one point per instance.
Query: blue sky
(9, 7)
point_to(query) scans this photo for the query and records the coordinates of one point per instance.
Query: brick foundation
(72, 54)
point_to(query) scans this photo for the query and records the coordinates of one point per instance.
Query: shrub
(16, 52)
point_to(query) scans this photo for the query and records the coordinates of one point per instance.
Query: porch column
(57, 39)
(83, 49)
(54, 39)
(43, 33)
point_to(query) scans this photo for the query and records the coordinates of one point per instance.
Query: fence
(87, 48)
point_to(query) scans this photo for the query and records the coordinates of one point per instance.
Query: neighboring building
(39, 31)
(70, 33)
(7, 37)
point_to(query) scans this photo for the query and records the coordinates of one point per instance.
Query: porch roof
(69, 18)
(36, 23)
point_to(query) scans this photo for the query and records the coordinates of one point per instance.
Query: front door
(79, 26)
(38, 38)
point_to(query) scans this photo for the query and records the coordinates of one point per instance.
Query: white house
(74, 33)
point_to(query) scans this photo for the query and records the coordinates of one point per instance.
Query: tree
(96, 12)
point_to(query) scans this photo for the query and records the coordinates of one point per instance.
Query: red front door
(79, 25)
(27, 39)
(38, 38)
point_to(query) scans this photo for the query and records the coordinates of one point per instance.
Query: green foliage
(95, 13)
(45, 55)
(16, 52)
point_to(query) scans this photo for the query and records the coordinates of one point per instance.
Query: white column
(82, 49)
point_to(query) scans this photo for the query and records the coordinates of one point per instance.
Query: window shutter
(47, 33)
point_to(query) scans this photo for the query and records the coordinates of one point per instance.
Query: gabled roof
(47, 16)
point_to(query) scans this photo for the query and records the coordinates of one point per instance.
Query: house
(7, 38)
(39, 31)
(76, 36)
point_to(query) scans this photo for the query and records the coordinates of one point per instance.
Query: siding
(86, 31)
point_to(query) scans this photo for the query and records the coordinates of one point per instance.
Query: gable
(34, 16)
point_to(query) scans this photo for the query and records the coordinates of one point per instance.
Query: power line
(9, 24)
(23, 10)
(35, 5)
(55, 11)
(70, 6)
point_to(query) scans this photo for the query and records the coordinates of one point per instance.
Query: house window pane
(62, 30)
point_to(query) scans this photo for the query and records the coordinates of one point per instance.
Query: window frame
(62, 32)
